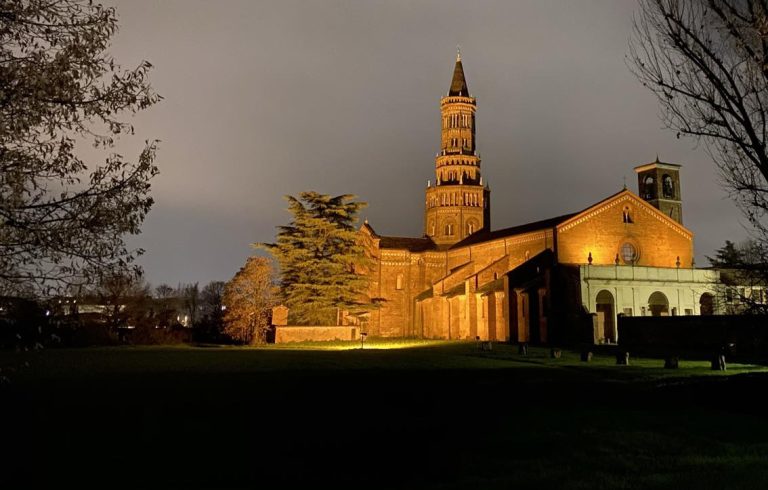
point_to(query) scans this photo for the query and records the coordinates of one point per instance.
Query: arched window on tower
(649, 192)
(668, 188)
(399, 282)
(449, 229)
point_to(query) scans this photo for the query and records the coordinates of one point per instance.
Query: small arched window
(399, 282)
(667, 187)
(626, 215)
(449, 229)
(649, 192)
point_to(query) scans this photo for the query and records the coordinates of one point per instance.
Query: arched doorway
(658, 304)
(605, 316)
(707, 304)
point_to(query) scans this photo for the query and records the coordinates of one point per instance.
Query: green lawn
(392, 415)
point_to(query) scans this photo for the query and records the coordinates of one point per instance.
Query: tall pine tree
(320, 258)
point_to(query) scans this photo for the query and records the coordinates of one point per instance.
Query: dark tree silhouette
(707, 62)
(62, 219)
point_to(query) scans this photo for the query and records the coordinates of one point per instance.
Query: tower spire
(458, 83)
(458, 205)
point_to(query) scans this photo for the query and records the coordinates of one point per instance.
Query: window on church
(628, 253)
(470, 228)
(649, 192)
(668, 188)
(399, 282)
(449, 229)
(626, 215)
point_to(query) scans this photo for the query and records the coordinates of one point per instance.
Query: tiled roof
(458, 83)
(484, 236)
(410, 244)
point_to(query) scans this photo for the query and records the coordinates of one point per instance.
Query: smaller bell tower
(659, 184)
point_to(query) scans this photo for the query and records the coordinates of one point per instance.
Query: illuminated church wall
(524, 283)
(624, 227)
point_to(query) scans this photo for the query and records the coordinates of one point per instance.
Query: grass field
(392, 415)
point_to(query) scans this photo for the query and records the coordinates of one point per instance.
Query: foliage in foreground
(62, 220)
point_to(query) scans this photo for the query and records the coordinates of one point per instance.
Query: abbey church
(547, 281)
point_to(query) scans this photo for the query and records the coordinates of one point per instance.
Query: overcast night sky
(267, 98)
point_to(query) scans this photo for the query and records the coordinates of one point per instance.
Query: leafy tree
(167, 306)
(743, 275)
(62, 219)
(248, 298)
(727, 256)
(164, 291)
(210, 327)
(126, 297)
(190, 296)
(320, 258)
(212, 298)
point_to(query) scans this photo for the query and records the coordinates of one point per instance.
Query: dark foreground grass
(428, 416)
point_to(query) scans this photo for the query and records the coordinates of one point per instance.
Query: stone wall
(698, 335)
(398, 277)
(285, 334)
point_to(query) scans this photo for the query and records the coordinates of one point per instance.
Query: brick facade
(461, 280)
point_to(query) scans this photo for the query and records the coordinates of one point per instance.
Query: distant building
(555, 280)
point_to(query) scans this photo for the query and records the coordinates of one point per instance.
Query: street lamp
(362, 339)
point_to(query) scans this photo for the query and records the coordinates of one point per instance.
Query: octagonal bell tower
(458, 204)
